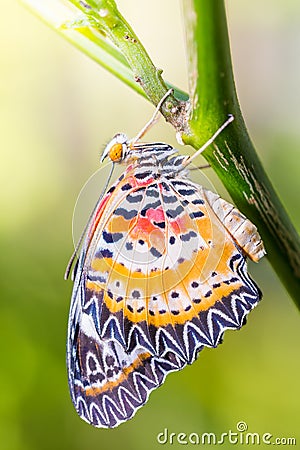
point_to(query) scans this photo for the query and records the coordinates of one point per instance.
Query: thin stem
(62, 17)
(104, 16)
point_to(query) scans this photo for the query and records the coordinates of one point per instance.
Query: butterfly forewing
(161, 275)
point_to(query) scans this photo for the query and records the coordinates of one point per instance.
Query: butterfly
(162, 273)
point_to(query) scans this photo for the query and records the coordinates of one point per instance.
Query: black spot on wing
(141, 176)
(165, 186)
(169, 198)
(198, 201)
(196, 214)
(172, 213)
(111, 237)
(188, 236)
(129, 245)
(179, 183)
(104, 253)
(186, 191)
(126, 214)
(160, 224)
(155, 252)
(126, 187)
(136, 294)
(134, 198)
(152, 191)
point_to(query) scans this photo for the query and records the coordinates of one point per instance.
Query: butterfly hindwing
(160, 277)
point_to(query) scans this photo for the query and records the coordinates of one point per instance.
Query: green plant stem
(107, 20)
(233, 157)
(91, 42)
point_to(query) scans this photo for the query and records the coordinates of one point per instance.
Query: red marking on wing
(142, 225)
(156, 215)
(98, 214)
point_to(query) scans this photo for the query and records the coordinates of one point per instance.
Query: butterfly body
(162, 274)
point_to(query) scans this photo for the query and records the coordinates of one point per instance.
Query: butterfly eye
(116, 152)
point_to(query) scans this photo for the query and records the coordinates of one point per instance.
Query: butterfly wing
(160, 277)
(112, 366)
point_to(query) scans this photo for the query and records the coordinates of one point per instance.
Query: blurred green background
(58, 109)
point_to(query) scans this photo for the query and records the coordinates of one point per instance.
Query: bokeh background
(58, 109)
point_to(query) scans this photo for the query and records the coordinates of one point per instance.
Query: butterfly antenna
(205, 166)
(189, 159)
(152, 121)
(79, 243)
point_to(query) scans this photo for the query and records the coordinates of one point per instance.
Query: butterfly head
(162, 157)
(116, 149)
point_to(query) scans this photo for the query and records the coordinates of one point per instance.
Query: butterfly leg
(153, 119)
